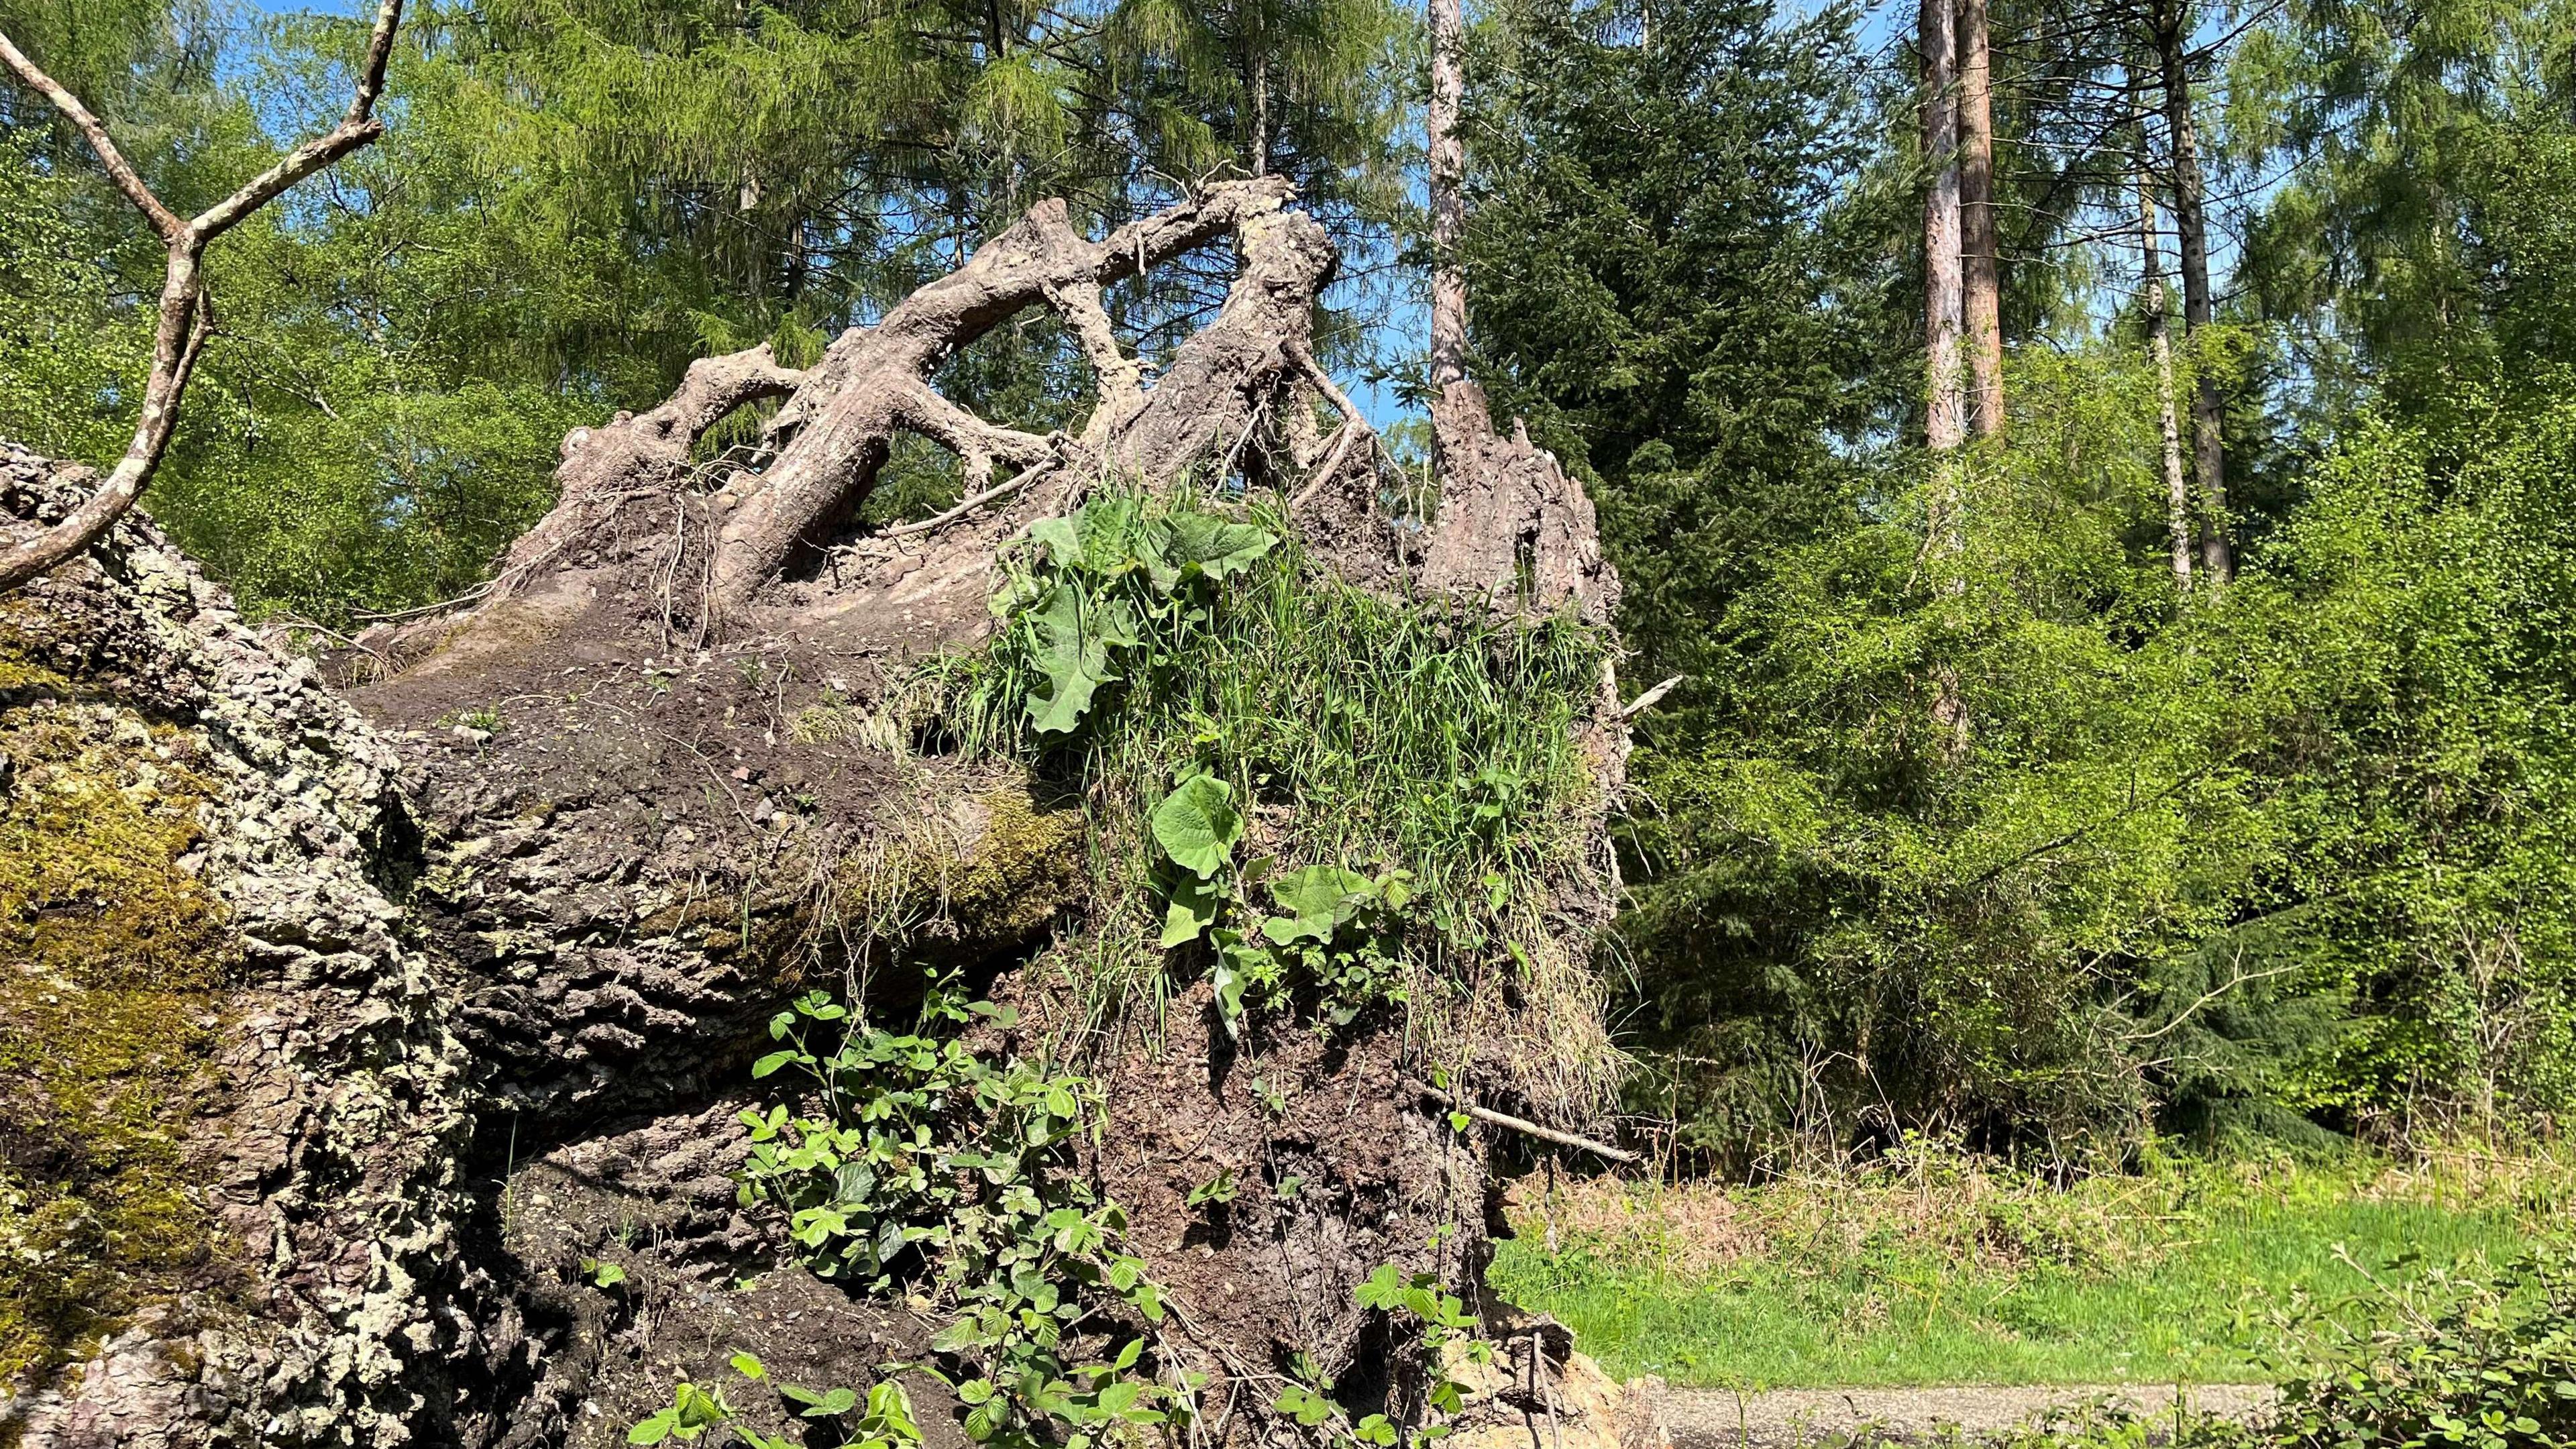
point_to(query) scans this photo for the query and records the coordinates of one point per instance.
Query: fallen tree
(1000, 956)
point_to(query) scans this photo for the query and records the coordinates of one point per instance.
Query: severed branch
(831, 436)
(1521, 1124)
(185, 316)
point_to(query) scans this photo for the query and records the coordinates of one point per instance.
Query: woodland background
(1971, 817)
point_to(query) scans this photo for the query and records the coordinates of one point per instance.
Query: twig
(1522, 1124)
(469, 596)
(1649, 699)
(970, 505)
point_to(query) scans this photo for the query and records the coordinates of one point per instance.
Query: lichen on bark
(108, 1006)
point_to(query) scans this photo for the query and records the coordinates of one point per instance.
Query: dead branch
(1521, 1124)
(185, 315)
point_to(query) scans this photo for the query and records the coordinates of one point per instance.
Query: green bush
(2447, 1360)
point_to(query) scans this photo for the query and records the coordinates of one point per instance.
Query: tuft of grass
(1361, 731)
(1935, 1268)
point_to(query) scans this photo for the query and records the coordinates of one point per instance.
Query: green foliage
(887, 1423)
(923, 1165)
(1681, 275)
(1238, 702)
(1434, 1332)
(2455, 1358)
(1927, 1266)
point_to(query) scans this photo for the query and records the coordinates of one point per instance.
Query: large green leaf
(1321, 898)
(1073, 636)
(1197, 825)
(1191, 911)
(1219, 547)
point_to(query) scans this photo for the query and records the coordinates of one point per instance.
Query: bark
(2191, 223)
(1944, 274)
(1944, 318)
(1513, 529)
(185, 316)
(1448, 169)
(2160, 348)
(1982, 282)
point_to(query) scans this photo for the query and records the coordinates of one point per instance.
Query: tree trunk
(1944, 305)
(2160, 347)
(2209, 456)
(1981, 266)
(1448, 168)
(1944, 279)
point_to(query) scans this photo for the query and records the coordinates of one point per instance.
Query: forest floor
(1936, 1269)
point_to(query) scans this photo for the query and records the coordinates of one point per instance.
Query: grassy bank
(1937, 1269)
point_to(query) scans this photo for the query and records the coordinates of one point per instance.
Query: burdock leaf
(1219, 548)
(1191, 912)
(1197, 825)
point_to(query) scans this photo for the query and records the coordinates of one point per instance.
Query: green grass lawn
(2178, 1276)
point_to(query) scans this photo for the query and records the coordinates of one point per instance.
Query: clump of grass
(1354, 730)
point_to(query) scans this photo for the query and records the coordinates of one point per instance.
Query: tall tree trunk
(2160, 345)
(1448, 198)
(1945, 414)
(1980, 263)
(2209, 456)
(1944, 281)
(1260, 111)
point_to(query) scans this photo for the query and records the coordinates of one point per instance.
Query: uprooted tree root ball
(1012, 978)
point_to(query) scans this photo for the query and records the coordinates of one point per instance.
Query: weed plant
(1146, 644)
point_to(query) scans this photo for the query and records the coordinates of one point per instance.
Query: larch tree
(1980, 264)
(2168, 24)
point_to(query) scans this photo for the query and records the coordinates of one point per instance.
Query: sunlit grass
(1951, 1273)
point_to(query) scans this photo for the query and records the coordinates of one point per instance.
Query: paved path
(1791, 1418)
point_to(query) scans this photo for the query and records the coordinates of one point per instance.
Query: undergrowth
(1344, 809)
(1329, 799)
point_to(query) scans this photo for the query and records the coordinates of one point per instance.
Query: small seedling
(1217, 1189)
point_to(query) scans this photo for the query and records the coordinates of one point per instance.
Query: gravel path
(1791, 1418)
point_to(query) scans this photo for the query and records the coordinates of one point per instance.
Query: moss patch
(989, 868)
(115, 957)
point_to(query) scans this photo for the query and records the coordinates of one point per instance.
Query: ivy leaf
(1197, 825)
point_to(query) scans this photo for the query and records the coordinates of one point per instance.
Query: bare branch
(1120, 378)
(185, 316)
